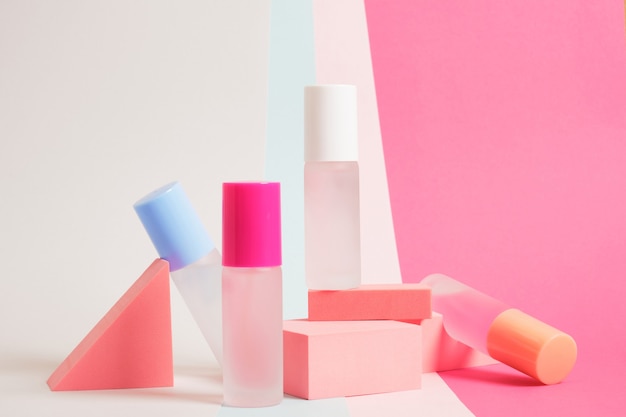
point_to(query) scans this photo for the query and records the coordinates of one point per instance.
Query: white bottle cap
(330, 123)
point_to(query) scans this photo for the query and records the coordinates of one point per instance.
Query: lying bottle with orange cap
(506, 334)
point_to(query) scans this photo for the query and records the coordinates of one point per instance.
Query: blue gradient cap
(174, 226)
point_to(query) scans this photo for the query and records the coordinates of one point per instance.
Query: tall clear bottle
(331, 188)
(195, 264)
(252, 295)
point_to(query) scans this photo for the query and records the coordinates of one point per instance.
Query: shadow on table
(198, 383)
(492, 374)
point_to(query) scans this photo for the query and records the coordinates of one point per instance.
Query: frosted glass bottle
(200, 285)
(506, 334)
(331, 188)
(252, 295)
(195, 264)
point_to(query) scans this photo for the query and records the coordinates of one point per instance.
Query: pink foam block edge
(372, 302)
(131, 346)
(440, 352)
(324, 359)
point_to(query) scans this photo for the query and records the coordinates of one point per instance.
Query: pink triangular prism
(131, 346)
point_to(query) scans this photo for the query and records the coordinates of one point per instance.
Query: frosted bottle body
(200, 285)
(253, 336)
(332, 225)
(467, 313)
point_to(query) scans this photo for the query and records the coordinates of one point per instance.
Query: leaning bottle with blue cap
(195, 263)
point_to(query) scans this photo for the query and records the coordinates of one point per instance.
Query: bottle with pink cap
(252, 294)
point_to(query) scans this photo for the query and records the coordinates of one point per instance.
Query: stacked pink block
(368, 340)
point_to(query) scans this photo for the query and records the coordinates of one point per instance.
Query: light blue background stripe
(291, 67)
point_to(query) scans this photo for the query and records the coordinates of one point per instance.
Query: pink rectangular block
(324, 359)
(372, 302)
(440, 352)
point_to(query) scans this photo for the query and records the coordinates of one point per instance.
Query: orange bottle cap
(531, 346)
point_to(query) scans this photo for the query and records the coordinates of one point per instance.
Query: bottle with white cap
(195, 263)
(331, 188)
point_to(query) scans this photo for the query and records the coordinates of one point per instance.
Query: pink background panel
(504, 133)
(342, 55)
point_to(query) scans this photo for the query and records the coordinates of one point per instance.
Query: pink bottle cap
(251, 233)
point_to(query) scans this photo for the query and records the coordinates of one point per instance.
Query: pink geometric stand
(131, 346)
(324, 359)
(372, 302)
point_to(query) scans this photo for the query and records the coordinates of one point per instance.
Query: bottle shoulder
(313, 166)
(231, 272)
